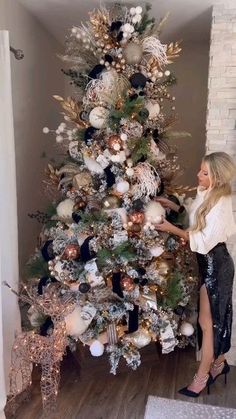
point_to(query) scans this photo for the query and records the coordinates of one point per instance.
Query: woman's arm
(171, 228)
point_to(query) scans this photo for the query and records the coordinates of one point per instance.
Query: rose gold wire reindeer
(48, 351)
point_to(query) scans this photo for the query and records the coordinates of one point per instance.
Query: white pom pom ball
(65, 208)
(154, 212)
(46, 130)
(186, 329)
(138, 10)
(96, 348)
(156, 251)
(98, 117)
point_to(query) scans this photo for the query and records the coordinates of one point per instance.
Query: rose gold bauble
(127, 283)
(72, 251)
(114, 143)
(137, 217)
(80, 203)
(134, 230)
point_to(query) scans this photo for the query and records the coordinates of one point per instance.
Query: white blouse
(220, 224)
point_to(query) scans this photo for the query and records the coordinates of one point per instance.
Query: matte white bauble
(156, 251)
(96, 348)
(122, 186)
(133, 53)
(65, 209)
(186, 329)
(154, 212)
(153, 108)
(98, 117)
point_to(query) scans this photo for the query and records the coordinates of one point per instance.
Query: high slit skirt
(216, 271)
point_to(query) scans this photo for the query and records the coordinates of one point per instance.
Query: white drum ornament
(133, 53)
(98, 117)
(153, 109)
(186, 329)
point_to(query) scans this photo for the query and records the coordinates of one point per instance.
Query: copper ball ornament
(111, 202)
(114, 143)
(127, 283)
(79, 205)
(136, 217)
(71, 252)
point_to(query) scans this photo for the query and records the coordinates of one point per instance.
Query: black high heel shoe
(225, 370)
(207, 380)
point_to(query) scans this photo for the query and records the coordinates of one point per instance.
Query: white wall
(34, 80)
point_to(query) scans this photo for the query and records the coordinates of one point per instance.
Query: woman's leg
(205, 321)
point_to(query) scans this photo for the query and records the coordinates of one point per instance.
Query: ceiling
(189, 19)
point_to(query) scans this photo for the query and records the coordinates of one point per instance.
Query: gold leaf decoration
(173, 50)
(72, 110)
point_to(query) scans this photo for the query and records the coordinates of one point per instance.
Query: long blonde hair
(221, 169)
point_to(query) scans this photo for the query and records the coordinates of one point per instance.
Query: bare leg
(217, 366)
(205, 321)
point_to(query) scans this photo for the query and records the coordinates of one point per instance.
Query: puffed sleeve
(219, 226)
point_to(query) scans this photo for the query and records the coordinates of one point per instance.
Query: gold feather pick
(173, 50)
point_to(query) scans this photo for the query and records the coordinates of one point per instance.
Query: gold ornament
(111, 202)
(82, 180)
(140, 338)
(137, 217)
(163, 267)
(114, 143)
(80, 203)
(71, 252)
(127, 283)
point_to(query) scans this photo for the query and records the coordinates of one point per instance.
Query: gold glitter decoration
(172, 52)
(72, 110)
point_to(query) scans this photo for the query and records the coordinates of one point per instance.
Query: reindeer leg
(49, 385)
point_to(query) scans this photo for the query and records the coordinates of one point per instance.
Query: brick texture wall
(221, 108)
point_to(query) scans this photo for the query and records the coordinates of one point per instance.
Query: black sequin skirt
(216, 271)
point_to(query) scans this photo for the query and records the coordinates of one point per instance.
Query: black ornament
(138, 204)
(115, 26)
(138, 80)
(88, 134)
(48, 324)
(76, 217)
(96, 71)
(108, 58)
(141, 271)
(142, 93)
(133, 97)
(119, 36)
(143, 282)
(111, 179)
(47, 250)
(85, 253)
(179, 310)
(155, 133)
(84, 287)
(136, 280)
(144, 113)
(133, 319)
(116, 287)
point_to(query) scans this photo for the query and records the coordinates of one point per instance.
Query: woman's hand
(167, 203)
(165, 226)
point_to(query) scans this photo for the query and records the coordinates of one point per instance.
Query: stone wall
(221, 108)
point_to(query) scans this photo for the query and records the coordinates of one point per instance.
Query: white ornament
(92, 165)
(119, 157)
(154, 212)
(167, 73)
(122, 186)
(186, 329)
(133, 11)
(65, 209)
(98, 117)
(153, 109)
(96, 348)
(59, 138)
(129, 171)
(156, 251)
(46, 130)
(138, 10)
(140, 338)
(123, 136)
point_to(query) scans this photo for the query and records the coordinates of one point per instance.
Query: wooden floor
(91, 392)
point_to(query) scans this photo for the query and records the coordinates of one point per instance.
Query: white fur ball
(122, 186)
(65, 209)
(98, 117)
(156, 251)
(154, 212)
(153, 108)
(93, 165)
(96, 348)
(186, 329)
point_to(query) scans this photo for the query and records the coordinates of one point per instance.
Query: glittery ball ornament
(127, 283)
(72, 251)
(136, 217)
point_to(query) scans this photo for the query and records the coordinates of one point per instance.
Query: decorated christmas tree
(103, 275)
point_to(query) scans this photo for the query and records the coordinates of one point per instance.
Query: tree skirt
(160, 408)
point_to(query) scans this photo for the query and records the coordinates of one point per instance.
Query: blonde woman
(211, 224)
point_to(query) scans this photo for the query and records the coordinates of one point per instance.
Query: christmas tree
(103, 275)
